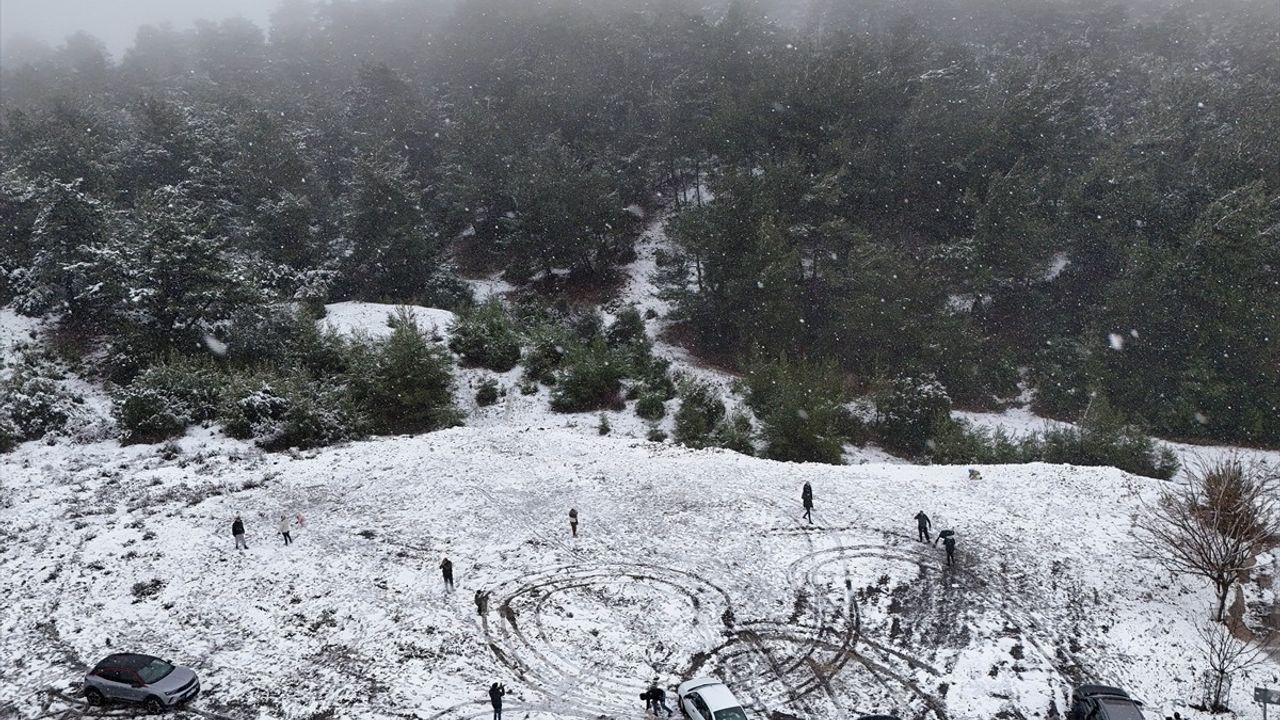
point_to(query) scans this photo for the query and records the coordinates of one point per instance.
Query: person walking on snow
(496, 691)
(923, 526)
(806, 497)
(948, 538)
(446, 569)
(237, 531)
(573, 521)
(284, 529)
(658, 698)
(482, 602)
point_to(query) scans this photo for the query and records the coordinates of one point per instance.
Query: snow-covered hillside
(688, 562)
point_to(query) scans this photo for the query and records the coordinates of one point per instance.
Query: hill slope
(688, 561)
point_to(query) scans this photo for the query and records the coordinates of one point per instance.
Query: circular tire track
(522, 642)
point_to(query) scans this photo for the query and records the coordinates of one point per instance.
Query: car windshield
(733, 713)
(1121, 710)
(155, 670)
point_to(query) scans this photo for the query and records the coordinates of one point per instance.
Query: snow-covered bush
(485, 336)
(488, 393)
(164, 399)
(701, 410)
(405, 384)
(591, 379)
(628, 329)
(735, 433)
(956, 442)
(545, 354)
(279, 412)
(35, 402)
(907, 411)
(650, 407)
(800, 407)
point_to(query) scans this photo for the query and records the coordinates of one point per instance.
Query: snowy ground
(15, 330)
(688, 562)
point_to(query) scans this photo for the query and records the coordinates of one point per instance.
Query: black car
(1102, 702)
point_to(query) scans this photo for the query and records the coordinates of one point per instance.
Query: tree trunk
(1224, 589)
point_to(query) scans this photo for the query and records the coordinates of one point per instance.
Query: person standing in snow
(446, 569)
(496, 691)
(658, 698)
(237, 531)
(284, 529)
(922, 526)
(948, 538)
(482, 602)
(573, 521)
(806, 497)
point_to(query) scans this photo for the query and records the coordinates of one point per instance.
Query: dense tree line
(1079, 196)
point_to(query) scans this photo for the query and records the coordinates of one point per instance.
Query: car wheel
(153, 706)
(93, 696)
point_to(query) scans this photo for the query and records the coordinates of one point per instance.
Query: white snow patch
(370, 319)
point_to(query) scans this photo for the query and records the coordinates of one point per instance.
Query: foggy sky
(116, 21)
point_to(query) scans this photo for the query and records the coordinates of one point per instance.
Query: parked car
(1101, 702)
(148, 681)
(707, 699)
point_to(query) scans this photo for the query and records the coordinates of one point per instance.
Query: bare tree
(1214, 524)
(1226, 655)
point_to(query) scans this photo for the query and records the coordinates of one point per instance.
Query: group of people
(285, 527)
(923, 524)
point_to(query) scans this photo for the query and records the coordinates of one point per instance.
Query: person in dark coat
(949, 542)
(446, 569)
(658, 698)
(647, 697)
(806, 497)
(237, 531)
(922, 526)
(496, 691)
(573, 521)
(482, 602)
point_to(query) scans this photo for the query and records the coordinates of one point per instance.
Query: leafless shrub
(1226, 655)
(1214, 524)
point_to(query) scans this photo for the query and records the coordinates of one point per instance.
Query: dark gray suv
(1101, 702)
(149, 681)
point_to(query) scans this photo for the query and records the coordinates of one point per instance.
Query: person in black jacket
(806, 497)
(949, 542)
(496, 691)
(658, 698)
(573, 521)
(482, 602)
(922, 526)
(237, 531)
(446, 569)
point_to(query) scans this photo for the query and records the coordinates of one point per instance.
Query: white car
(707, 699)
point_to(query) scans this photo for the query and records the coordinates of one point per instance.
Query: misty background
(114, 22)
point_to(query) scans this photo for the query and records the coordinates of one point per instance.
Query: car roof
(132, 661)
(1099, 691)
(717, 696)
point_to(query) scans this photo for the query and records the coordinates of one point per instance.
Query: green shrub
(907, 411)
(35, 402)
(656, 434)
(279, 412)
(700, 412)
(735, 433)
(627, 329)
(604, 428)
(405, 384)
(488, 393)
(799, 406)
(546, 354)
(485, 336)
(591, 379)
(147, 415)
(956, 442)
(650, 407)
